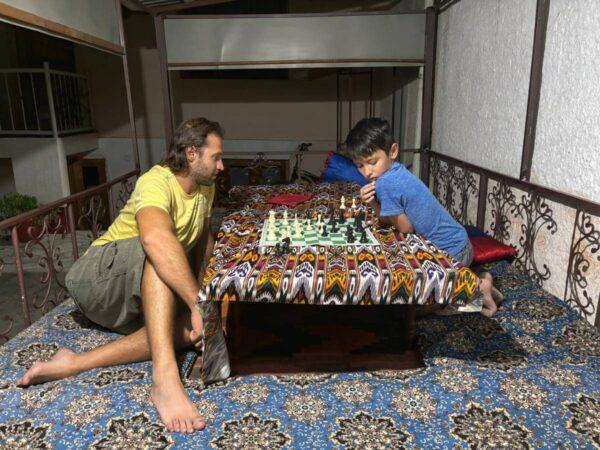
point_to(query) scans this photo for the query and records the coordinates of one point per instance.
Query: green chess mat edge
(334, 239)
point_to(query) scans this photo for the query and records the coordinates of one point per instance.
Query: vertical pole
(20, 276)
(482, 200)
(134, 142)
(535, 86)
(349, 101)
(12, 119)
(71, 220)
(35, 106)
(164, 73)
(428, 85)
(371, 108)
(338, 114)
(50, 99)
(21, 99)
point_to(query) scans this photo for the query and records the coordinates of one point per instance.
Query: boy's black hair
(368, 136)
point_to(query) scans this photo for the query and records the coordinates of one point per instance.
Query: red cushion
(289, 199)
(486, 249)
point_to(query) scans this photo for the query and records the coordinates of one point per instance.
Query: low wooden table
(399, 270)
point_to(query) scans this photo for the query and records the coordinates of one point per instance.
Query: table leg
(409, 327)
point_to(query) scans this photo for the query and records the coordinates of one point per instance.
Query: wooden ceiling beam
(186, 5)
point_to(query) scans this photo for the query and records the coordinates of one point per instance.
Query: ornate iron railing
(35, 237)
(526, 215)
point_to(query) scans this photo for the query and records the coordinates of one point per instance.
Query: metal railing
(43, 102)
(36, 238)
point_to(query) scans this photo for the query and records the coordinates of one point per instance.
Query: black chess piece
(286, 245)
(334, 227)
(363, 237)
(277, 249)
(349, 235)
(342, 217)
(324, 234)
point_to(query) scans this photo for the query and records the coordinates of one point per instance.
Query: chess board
(312, 237)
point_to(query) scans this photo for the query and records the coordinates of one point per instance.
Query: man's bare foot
(175, 408)
(62, 365)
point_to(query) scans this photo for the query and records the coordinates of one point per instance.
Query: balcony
(44, 102)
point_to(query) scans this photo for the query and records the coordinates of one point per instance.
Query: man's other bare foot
(62, 365)
(175, 408)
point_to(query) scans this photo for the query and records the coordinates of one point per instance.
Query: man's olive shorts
(105, 284)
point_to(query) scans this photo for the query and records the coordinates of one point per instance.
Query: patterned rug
(530, 378)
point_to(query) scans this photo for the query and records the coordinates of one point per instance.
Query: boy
(402, 200)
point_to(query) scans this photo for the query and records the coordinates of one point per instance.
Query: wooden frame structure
(164, 66)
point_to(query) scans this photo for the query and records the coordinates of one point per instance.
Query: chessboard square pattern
(312, 237)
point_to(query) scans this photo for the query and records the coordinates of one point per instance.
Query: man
(137, 278)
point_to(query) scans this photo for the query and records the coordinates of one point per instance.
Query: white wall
(481, 83)
(39, 165)
(567, 146)
(482, 78)
(36, 167)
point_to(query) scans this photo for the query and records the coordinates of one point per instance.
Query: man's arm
(166, 253)
(203, 250)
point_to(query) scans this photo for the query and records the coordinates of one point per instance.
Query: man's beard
(203, 177)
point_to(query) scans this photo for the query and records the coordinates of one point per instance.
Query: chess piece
(363, 237)
(272, 217)
(324, 230)
(296, 223)
(349, 235)
(342, 203)
(353, 203)
(277, 249)
(286, 245)
(271, 236)
(298, 232)
(334, 227)
(285, 217)
(309, 225)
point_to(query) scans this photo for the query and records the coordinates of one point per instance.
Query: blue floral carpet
(529, 378)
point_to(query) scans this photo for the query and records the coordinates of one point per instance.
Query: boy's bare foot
(175, 408)
(62, 365)
(489, 305)
(496, 294)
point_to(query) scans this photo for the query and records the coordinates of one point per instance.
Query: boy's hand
(367, 194)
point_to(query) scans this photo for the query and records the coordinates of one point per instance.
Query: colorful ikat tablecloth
(400, 269)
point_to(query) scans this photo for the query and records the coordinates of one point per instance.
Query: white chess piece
(309, 225)
(298, 233)
(285, 217)
(353, 202)
(271, 236)
(343, 202)
(272, 217)
(319, 219)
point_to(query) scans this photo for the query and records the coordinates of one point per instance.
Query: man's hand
(197, 332)
(367, 194)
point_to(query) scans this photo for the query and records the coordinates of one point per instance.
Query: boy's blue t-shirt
(400, 192)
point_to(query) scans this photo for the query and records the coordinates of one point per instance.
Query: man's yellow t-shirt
(158, 187)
